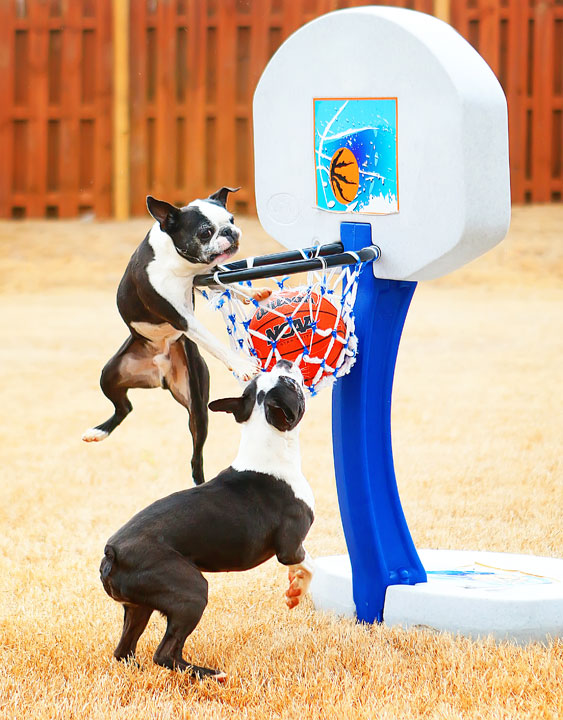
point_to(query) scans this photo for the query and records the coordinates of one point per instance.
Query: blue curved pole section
(380, 546)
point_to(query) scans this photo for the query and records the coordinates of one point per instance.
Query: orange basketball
(344, 175)
(292, 328)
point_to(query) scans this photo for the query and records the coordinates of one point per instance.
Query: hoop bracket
(292, 262)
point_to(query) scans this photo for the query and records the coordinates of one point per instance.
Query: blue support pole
(380, 546)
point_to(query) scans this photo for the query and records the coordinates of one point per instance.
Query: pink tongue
(219, 259)
(224, 245)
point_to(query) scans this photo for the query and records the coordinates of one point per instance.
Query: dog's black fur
(234, 522)
(162, 348)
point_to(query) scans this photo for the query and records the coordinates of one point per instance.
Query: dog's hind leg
(132, 366)
(188, 381)
(179, 591)
(198, 378)
(135, 621)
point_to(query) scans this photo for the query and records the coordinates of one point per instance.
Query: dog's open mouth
(222, 257)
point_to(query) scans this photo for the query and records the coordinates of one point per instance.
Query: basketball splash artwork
(356, 155)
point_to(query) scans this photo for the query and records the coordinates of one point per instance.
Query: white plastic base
(512, 597)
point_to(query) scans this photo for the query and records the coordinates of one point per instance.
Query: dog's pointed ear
(228, 405)
(241, 407)
(164, 213)
(221, 195)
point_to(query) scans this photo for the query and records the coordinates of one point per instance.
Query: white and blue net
(338, 285)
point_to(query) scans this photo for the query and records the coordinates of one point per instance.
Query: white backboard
(386, 116)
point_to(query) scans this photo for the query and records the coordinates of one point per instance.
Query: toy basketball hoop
(312, 324)
(382, 125)
(381, 134)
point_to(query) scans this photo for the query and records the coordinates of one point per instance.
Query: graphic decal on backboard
(356, 155)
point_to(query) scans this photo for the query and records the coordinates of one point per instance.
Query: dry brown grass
(477, 444)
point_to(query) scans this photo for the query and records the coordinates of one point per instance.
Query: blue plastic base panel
(380, 546)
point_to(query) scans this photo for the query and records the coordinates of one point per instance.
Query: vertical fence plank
(260, 53)
(196, 99)
(181, 75)
(141, 182)
(65, 199)
(6, 116)
(515, 89)
(557, 99)
(102, 110)
(38, 99)
(121, 73)
(211, 32)
(543, 88)
(442, 10)
(489, 12)
(225, 96)
(165, 101)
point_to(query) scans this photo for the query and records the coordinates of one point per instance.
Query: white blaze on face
(267, 450)
(266, 381)
(220, 217)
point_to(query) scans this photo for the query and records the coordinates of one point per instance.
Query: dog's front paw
(243, 368)
(299, 581)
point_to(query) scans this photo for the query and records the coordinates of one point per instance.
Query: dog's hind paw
(193, 671)
(130, 660)
(94, 435)
(216, 675)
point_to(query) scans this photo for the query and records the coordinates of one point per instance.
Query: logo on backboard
(356, 155)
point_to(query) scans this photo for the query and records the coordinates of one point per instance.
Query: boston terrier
(258, 507)
(155, 299)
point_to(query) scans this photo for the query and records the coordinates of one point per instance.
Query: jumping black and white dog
(259, 507)
(155, 299)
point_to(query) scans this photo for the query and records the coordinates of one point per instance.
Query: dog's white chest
(265, 450)
(169, 274)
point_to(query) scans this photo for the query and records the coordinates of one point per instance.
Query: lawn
(477, 428)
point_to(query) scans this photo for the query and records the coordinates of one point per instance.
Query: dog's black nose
(229, 232)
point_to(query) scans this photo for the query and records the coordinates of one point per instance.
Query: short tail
(106, 565)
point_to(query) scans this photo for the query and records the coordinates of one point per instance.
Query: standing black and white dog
(155, 299)
(258, 507)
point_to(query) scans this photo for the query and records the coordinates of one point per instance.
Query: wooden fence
(522, 40)
(193, 66)
(55, 109)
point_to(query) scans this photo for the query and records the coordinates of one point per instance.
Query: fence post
(441, 10)
(121, 109)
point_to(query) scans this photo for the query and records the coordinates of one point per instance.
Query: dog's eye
(231, 219)
(205, 234)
